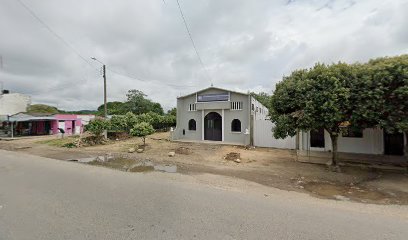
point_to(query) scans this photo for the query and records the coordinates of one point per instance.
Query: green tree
(138, 103)
(383, 97)
(118, 123)
(172, 112)
(42, 108)
(130, 120)
(314, 99)
(113, 108)
(262, 97)
(142, 130)
(97, 126)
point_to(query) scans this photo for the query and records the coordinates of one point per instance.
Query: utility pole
(105, 107)
(104, 91)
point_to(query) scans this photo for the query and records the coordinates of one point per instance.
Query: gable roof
(217, 88)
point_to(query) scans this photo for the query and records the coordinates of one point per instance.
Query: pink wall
(68, 119)
(54, 127)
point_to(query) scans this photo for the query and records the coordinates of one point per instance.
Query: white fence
(263, 136)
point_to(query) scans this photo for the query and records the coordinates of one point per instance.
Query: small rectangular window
(192, 107)
(236, 105)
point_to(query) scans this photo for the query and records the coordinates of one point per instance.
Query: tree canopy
(262, 97)
(138, 103)
(342, 95)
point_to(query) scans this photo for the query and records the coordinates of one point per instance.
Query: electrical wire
(70, 46)
(146, 80)
(66, 43)
(192, 41)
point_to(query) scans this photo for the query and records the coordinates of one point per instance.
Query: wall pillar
(223, 125)
(202, 125)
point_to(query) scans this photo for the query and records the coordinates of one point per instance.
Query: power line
(146, 80)
(192, 41)
(66, 43)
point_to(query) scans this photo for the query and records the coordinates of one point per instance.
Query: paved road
(42, 198)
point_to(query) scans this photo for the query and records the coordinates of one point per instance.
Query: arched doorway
(213, 127)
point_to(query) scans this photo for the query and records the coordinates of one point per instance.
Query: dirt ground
(270, 167)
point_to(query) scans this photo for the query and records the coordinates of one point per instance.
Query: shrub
(97, 127)
(142, 130)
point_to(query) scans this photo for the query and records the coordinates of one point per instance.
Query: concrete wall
(259, 111)
(263, 136)
(183, 116)
(372, 142)
(222, 108)
(242, 115)
(13, 103)
(68, 119)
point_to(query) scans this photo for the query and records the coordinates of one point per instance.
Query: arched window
(192, 125)
(236, 125)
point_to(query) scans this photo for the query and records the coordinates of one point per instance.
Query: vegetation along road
(41, 198)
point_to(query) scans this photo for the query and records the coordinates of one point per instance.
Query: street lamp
(104, 86)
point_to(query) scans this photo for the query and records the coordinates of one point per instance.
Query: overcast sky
(244, 45)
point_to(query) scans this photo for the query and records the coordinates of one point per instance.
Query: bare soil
(276, 168)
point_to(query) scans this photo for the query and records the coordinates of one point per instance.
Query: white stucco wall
(259, 111)
(263, 136)
(372, 142)
(13, 103)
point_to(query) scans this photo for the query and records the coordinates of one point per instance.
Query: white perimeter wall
(371, 143)
(263, 136)
(13, 103)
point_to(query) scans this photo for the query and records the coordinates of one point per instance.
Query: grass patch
(59, 142)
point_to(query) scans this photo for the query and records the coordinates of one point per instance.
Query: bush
(97, 126)
(118, 123)
(142, 130)
(126, 122)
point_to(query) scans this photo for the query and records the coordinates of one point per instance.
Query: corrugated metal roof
(23, 117)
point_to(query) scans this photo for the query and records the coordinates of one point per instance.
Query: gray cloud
(245, 45)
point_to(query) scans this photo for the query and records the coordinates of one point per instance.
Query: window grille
(236, 105)
(192, 107)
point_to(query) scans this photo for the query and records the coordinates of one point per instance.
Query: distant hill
(47, 109)
(79, 112)
(42, 108)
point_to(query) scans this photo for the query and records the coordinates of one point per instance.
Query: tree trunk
(334, 149)
(144, 141)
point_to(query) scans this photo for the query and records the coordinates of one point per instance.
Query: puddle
(148, 166)
(128, 165)
(104, 158)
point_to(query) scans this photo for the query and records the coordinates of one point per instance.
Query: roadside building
(370, 144)
(23, 124)
(12, 103)
(216, 114)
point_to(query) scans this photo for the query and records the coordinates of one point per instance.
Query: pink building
(35, 124)
(69, 122)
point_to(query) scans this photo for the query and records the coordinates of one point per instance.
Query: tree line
(138, 116)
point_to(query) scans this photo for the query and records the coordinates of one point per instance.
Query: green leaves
(312, 99)
(383, 94)
(97, 126)
(142, 129)
(127, 121)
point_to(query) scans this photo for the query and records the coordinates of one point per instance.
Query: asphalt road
(43, 198)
